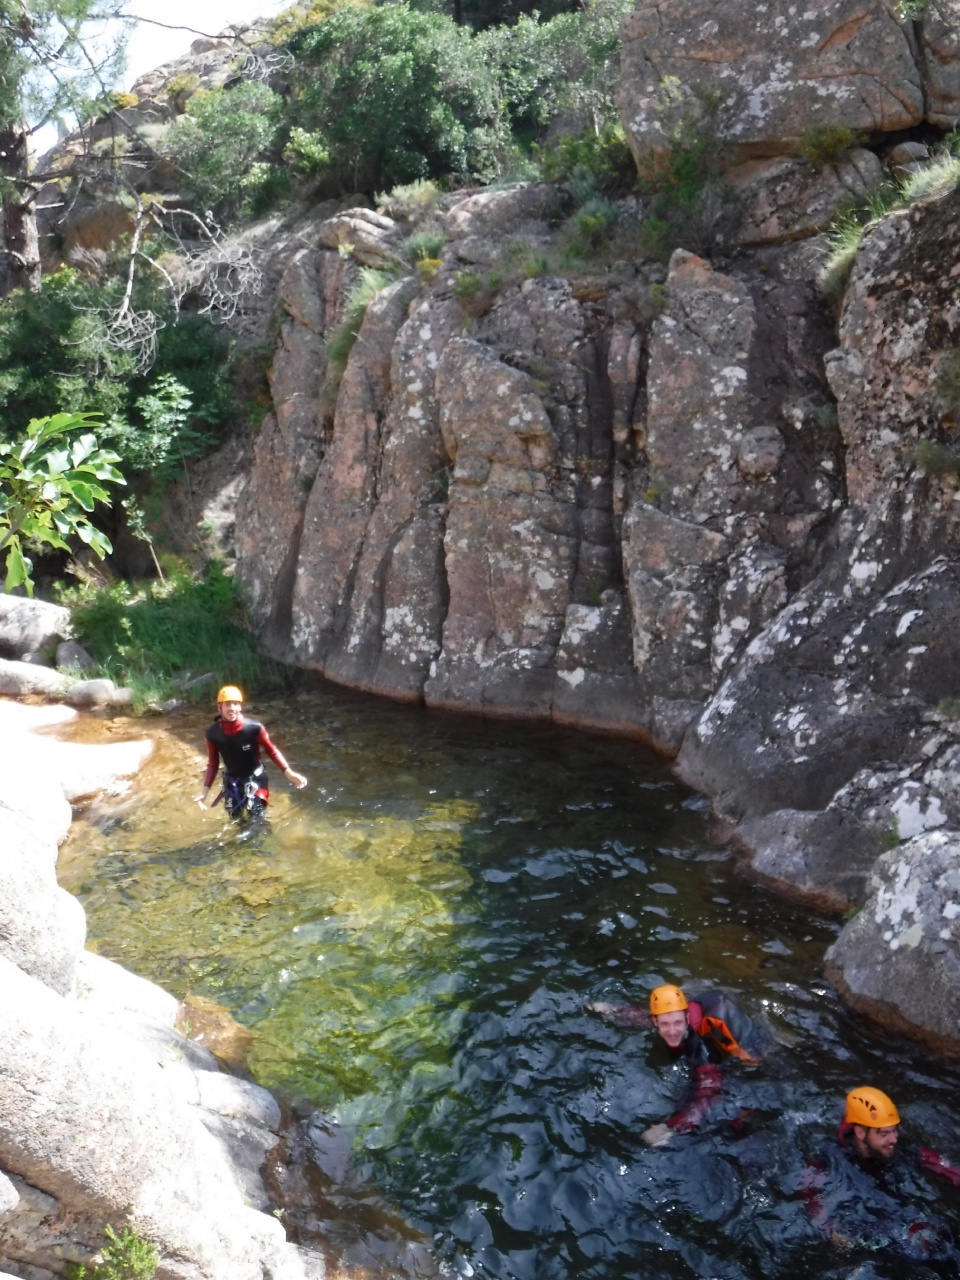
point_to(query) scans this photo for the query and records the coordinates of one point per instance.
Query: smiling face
(672, 1027)
(880, 1144)
(231, 711)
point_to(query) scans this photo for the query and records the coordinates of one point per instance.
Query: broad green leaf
(18, 568)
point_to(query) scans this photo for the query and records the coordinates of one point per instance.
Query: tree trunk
(20, 266)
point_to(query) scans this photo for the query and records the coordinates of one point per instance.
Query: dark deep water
(413, 939)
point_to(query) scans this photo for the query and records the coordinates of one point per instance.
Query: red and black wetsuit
(875, 1203)
(237, 743)
(717, 1030)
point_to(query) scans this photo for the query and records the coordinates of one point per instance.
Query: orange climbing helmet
(667, 999)
(870, 1108)
(229, 693)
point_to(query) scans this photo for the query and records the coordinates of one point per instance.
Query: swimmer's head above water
(872, 1120)
(668, 1009)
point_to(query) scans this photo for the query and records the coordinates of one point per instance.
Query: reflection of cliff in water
(412, 941)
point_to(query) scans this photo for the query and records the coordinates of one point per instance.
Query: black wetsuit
(245, 789)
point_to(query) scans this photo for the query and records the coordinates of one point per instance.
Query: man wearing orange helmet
(238, 743)
(861, 1190)
(704, 1032)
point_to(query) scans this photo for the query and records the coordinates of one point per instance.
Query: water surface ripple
(412, 941)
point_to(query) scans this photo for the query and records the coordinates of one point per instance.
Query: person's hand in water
(298, 780)
(658, 1135)
(603, 1007)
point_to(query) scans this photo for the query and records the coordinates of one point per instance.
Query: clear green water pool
(412, 941)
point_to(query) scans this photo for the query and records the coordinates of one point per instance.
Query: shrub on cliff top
(223, 133)
(396, 95)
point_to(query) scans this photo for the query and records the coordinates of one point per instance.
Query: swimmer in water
(705, 1033)
(863, 1189)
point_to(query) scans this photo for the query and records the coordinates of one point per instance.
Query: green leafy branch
(49, 485)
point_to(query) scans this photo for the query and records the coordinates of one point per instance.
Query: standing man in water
(864, 1189)
(237, 742)
(704, 1033)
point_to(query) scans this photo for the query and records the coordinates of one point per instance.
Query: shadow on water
(412, 941)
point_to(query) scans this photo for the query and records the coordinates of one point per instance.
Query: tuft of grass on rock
(843, 242)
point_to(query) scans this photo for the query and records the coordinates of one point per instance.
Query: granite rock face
(897, 330)
(778, 70)
(637, 506)
(542, 505)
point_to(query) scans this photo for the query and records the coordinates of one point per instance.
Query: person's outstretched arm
(278, 758)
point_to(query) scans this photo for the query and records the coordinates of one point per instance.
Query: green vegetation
(600, 163)
(158, 637)
(684, 181)
(49, 485)
(425, 244)
(843, 241)
(54, 349)
(217, 142)
(340, 341)
(936, 460)
(934, 180)
(393, 95)
(825, 144)
(126, 1256)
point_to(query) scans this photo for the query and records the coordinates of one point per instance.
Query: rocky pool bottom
(412, 941)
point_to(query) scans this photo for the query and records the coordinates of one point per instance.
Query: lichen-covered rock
(290, 446)
(366, 604)
(371, 237)
(899, 957)
(897, 327)
(787, 199)
(779, 72)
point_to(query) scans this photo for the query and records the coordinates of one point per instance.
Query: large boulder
(94, 1124)
(939, 34)
(898, 959)
(776, 71)
(19, 679)
(30, 629)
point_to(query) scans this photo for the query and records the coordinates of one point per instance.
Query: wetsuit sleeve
(263, 740)
(934, 1163)
(707, 1087)
(811, 1192)
(213, 760)
(630, 1015)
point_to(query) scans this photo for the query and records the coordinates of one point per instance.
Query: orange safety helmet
(870, 1108)
(667, 999)
(229, 693)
